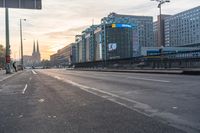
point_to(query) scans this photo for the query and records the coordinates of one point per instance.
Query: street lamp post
(8, 67)
(160, 2)
(21, 38)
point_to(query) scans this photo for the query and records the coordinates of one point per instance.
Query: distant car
(19, 67)
(27, 67)
(46, 67)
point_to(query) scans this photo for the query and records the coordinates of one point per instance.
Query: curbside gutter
(191, 72)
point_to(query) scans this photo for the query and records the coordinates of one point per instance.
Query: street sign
(25, 4)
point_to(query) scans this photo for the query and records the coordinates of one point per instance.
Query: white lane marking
(111, 97)
(34, 72)
(30, 78)
(41, 100)
(20, 116)
(137, 106)
(57, 77)
(130, 77)
(174, 107)
(147, 79)
(24, 90)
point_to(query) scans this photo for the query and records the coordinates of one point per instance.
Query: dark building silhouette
(35, 58)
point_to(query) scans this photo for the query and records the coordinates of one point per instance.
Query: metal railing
(186, 59)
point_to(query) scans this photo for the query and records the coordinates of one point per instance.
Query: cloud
(66, 33)
(59, 20)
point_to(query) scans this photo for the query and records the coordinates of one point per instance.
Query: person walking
(14, 66)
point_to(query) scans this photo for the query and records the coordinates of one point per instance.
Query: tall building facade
(159, 31)
(119, 41)
(183, 29)
(155, 33)
(106, 41)
(88, 44)
(118, 36)
(143, 26)
(98, 43)
(65, 56)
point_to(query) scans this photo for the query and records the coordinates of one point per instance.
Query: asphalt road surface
(66, 101)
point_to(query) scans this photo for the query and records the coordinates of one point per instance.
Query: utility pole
(21, 38)
(8, 68)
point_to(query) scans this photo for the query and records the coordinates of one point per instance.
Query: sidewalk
(151, 71)
(4, 76)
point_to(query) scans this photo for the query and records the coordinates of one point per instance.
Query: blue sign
(121, 26)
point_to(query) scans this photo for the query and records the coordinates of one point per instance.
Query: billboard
(25, 4)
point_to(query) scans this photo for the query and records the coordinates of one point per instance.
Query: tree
(2, 56)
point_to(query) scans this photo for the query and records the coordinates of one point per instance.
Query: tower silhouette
(36, 57)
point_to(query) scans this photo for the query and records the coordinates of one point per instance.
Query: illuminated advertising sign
(112, 46)
(121, 26)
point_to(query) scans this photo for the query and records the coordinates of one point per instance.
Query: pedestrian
(14, 66)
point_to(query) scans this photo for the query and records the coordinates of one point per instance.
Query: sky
(56, 25)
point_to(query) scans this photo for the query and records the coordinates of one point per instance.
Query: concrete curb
(135, 71)
(184, 72)
(9, 76)
(191, 72)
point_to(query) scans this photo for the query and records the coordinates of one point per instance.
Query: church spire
(34, 47)
(38, 51)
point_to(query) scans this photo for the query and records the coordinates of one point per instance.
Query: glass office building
(119, 41)
(183, 29)
(142, 24)
(117, 37)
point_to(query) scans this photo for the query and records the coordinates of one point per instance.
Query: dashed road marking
(147, 79)
(41, 100)
(24, 90)
(139, 107)
(34, 72)
(112, 97)
(129, 77)
(57, 77)
(174, 107)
